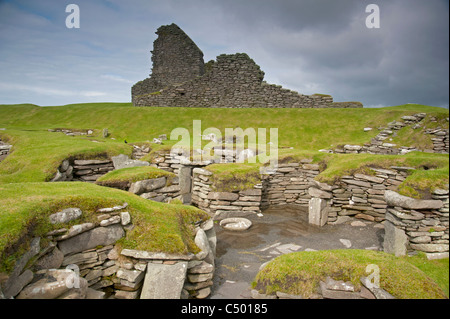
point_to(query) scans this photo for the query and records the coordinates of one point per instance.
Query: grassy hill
(308, 129)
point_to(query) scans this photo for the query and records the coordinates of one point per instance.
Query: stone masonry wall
(233, 81)
(82, 170)
(176, 59)
(417, 225)
(289, 184)
(179, 80)
(220, 205)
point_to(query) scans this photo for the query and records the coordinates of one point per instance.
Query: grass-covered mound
(300, 273)
(234, 176)
(26, 206)
(36, 154)
(124, 177)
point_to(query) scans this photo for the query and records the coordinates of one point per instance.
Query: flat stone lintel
(142, 254)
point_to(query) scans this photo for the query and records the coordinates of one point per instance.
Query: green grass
(234, 176)
(438, 269)
(300, 273)
(26, 206)
(309, 129)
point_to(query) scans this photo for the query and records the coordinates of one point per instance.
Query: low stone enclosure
(181, 79)
(410, 224)
(84, 262)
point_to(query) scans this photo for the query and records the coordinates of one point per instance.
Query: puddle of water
(279, 221)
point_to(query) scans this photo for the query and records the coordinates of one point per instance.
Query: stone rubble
(72, 132)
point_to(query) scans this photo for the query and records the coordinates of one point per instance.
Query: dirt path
(281, 230)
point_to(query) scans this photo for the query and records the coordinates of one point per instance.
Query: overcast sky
(311, 46)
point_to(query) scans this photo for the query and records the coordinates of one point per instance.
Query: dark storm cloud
(325, 45)
(312, 46)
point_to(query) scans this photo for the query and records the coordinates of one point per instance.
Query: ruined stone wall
(179, 80)
(234, 81)
(176, 59)
(411, 224)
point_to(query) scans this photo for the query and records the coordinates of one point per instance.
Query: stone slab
(395, 240)
(100, 236)
(164, 281)
(394, 199)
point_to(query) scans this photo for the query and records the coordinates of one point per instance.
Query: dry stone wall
(92, 169)
(221, 205)
(234, 81)
(289, 184)
(72, 132)
(440, 138)
(82, 170)
(179, 80)
(162, 189)
(381, 143)
(176, 59)
(417, 225)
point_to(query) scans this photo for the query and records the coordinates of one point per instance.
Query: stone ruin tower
(180, 78)
(176, 59)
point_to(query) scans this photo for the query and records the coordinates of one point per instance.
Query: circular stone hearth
(236, 224)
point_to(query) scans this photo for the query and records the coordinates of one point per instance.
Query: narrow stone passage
(281, 230)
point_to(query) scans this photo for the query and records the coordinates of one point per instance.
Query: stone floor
(281, 230)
